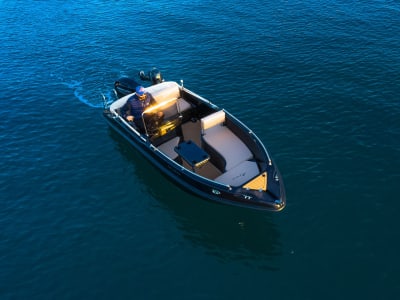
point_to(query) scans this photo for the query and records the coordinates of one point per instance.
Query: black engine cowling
(125, 85)
(154, 76)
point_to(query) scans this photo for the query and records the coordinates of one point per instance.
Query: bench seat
(221, 139)
(168, 97)
(228, 145)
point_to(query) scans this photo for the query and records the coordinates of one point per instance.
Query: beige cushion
(212, 120)
(227, 144)
(167, 96)
(164, 91)
(240, 174)
(168, 148)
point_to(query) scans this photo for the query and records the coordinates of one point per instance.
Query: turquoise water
(84, 216)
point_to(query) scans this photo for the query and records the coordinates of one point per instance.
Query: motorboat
(201, 147)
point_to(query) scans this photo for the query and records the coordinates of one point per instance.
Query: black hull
(272, 200)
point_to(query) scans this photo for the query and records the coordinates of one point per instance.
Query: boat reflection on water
(227, 232)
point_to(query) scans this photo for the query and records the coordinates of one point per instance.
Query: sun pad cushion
(240, 174)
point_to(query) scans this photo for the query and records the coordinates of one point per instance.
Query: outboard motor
(154, 76)
(124, 85)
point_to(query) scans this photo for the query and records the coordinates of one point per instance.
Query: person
(136, 105)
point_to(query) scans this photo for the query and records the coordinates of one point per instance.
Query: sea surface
(84, 216)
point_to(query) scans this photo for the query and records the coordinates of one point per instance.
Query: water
(82, 214)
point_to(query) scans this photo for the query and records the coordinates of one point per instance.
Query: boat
(201, 147)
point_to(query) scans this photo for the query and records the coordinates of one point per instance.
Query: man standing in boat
(136, 105)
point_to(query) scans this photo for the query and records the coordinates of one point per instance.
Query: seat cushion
(240, 174)
(168, 148)
(214, 119)
(228, 145)
(172, 108)
(164, 91)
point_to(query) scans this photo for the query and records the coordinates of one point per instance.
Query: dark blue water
(84, 216)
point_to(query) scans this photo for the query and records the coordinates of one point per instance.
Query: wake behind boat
(200, 146)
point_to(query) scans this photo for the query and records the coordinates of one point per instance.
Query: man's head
(140, 92)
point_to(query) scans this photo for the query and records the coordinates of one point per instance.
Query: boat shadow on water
(227, 232)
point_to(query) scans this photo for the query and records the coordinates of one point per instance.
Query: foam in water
(77, 87)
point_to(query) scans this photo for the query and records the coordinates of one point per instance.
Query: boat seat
(183, 105)
(221, 139)
(239, 174)
(168, 147)
(168, 92)
(164, 91)
(172, 108)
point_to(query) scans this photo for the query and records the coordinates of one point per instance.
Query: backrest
(217, 118)
(164, 91)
